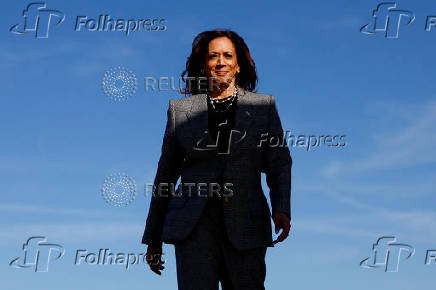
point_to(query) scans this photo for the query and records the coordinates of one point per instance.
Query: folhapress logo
(387, 254)
(37, 20)
(37, 254)
(388, 19)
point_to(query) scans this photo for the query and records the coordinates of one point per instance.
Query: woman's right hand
(153, 257)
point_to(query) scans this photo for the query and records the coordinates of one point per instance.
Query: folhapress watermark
(265, 139)
(38, 254)
(107, 257)
(302, 140)
(387, 254)
(387, 19)
(38, 19)
(207, 142)
(107, 23)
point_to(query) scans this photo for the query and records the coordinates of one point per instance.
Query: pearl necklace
(223, 100)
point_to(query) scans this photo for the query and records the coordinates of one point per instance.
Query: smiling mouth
(221, 73)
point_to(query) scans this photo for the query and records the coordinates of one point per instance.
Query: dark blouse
(222, 123)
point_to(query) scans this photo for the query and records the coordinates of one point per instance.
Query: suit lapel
(243, 119)
(198, 121)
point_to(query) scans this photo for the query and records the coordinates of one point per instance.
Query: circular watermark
(118, 189)
(119, 83)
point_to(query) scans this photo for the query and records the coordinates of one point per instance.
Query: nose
(219, 61)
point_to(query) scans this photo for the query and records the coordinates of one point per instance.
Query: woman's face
(221, 61)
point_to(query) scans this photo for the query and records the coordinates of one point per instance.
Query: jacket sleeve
(277, 164)
(168, 171)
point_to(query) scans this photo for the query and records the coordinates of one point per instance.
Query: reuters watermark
(187, 189)
(170, 83)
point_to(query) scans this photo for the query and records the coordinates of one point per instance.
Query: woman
(221, 135)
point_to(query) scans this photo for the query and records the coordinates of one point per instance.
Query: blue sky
(61, 136)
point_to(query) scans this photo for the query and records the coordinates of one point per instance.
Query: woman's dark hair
(246, 78)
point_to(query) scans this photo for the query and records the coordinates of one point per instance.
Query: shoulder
(185, 103)
(261, 100)
(260, 97)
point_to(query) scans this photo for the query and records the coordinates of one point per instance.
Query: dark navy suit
(244, 231)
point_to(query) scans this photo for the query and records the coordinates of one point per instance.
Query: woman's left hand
(281, 222)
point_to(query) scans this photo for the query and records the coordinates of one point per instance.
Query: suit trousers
(206, 257)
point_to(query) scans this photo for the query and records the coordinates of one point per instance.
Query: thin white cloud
(67, 232)
(325, 225)
(344, 22)
(32, 209)
(410, 146)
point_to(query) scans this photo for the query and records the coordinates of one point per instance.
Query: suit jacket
(187, 152)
